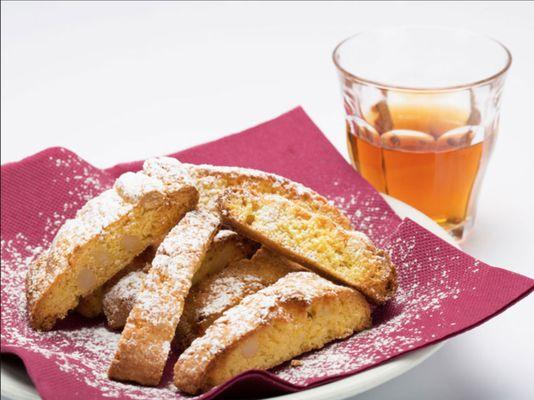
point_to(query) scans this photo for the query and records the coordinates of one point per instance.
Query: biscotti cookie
(212, 181)
(299, 313)
(144, 345)
(119, 297)
(105, 236)
(219, 292)
(311, 240)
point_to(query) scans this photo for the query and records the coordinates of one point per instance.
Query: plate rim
(13, 389)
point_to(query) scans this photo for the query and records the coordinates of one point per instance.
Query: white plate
(16, 384)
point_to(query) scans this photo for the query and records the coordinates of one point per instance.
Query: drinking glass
(422, 113)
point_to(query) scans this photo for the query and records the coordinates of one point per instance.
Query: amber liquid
(437, 181)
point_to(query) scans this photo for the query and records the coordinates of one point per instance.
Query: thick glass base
(459, 231)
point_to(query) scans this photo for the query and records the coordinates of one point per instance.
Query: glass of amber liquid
(422, 114)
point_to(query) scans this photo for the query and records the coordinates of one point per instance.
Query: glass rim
(386, 86)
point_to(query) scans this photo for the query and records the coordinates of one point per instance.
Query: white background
(122, 81)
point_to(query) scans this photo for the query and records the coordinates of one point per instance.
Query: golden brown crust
(300, 312)
(212, 181)
(104, 237)
(311, 240)
(145, 341)
(209, 299)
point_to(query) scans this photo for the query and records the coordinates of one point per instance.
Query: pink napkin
(442, 291)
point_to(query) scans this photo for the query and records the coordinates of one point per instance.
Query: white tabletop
(122, 81)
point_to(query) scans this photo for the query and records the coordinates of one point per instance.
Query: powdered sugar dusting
(118, 301)
(133, 186)
(175, 260)
(368, 212)
(221, 291)
(72, 169)
(227, 291)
